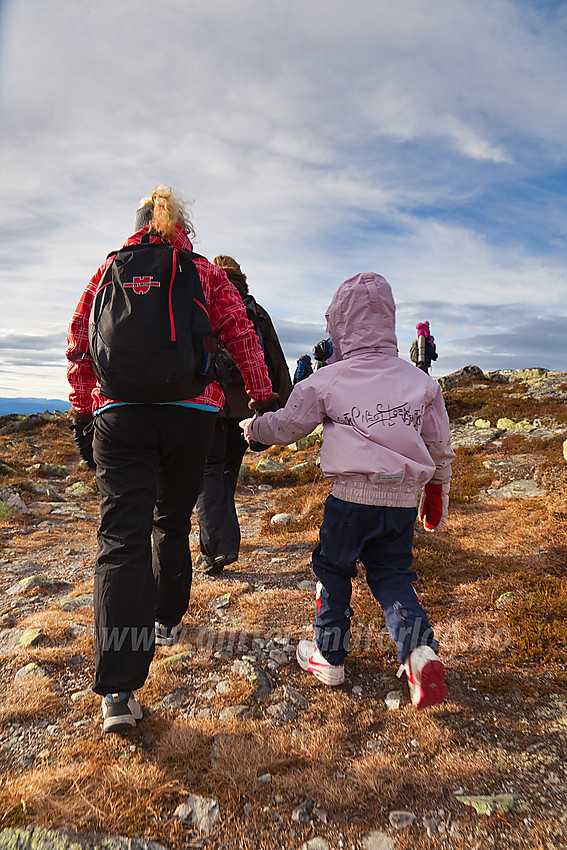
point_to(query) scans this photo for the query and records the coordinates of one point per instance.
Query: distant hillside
(31, 405)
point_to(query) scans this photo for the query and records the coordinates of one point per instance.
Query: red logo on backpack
(141, 285)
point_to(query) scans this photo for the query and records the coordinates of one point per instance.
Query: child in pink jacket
(385, 438)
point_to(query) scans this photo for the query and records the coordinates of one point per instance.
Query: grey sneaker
(120, 712)
(167, 635)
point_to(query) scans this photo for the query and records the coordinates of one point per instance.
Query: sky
(425, 141)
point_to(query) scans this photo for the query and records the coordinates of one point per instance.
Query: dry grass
(29, 698)
(491, 401)
(494, 587)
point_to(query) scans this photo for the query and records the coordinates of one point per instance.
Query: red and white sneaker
(310, 659)
(426, 677)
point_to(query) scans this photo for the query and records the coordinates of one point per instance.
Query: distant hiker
(219, 537)
(385, 437)
(321, 352)
(423, 349)
(303, 369)
(150, 456)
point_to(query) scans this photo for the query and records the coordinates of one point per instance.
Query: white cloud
(316, 140)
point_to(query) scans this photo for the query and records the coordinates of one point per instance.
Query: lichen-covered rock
(488, 805)
(267, 464)
(39, 838)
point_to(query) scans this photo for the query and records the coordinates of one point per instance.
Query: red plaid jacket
(228, 320)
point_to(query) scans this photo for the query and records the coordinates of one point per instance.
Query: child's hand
(255, 446)
(434, 506)
(245, 425)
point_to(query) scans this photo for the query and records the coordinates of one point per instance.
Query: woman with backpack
(423, 349)
(219, 536)
(150, 455)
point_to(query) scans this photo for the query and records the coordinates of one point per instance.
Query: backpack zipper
(173, 272)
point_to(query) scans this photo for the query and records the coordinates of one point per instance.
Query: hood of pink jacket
(362, 316)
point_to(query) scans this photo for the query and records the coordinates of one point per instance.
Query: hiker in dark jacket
(219, 536)
(322, 353)
(423, 349)
(149, 463)
(303, 369)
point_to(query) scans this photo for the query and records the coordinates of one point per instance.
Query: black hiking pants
(215, 510)
(149, 466)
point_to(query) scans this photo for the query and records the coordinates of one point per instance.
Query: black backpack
(150, 338)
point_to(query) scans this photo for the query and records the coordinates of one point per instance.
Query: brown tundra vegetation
(229, 717)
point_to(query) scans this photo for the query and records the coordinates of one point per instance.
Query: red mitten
(434, 506)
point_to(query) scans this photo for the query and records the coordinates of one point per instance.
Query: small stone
(78, 695)
(31, 669)
(302, 812)
(282, 711)
(174, 699)
(31, 637)
(401, 820)
(430, 824)
(272, 813)
(8, 621)
(357, 691)
(265, 779)
(220, 601)
(295, 697)
(236, 712)
(178, 658)
(223, 687)
(505, 599)
(281, 519)
(393, 700)
(306, 584)
(320, 814)
(265, 488)
(279, 656)
(259, 678)
(202, 812)
(266, 464)
(378, 841)
(244, 474)
(78, 489)
(73, 603)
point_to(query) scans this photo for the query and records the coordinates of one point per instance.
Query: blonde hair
(168, 211)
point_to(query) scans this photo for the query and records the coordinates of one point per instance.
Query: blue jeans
(381, 537)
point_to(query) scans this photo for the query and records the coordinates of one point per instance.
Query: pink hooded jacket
(385, 426)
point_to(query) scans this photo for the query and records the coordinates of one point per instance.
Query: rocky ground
(239, 748)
